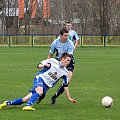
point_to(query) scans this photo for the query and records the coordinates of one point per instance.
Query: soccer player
(73, 36)
(52, 71)
(59, 46)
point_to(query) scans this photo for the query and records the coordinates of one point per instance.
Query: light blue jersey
(73, 36)
(60, 48)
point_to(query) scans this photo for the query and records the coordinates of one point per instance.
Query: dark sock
(42, 96)
(59, 92)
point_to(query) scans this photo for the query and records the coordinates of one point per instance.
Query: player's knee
(39, 91)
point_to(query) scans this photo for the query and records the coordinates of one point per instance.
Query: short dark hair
(64, 55)
(63, 30)
(68, 22)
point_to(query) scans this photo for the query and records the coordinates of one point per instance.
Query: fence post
(32, 41)
(104, 40)
(81, 40)
(8, 40)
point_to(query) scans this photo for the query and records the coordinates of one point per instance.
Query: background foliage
(88, 16)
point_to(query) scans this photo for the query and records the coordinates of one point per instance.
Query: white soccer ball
(107, 101)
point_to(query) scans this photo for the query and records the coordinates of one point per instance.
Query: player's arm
(70, 48)
(68, 95)
(76, 38)
(76, 43)
(43, 64)
(39, 66)
(65, 85)
(52, 50)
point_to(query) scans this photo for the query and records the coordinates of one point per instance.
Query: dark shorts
(70, 67)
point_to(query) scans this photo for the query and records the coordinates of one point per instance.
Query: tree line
(88, 17)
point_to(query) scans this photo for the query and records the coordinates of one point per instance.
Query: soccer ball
(107, 101)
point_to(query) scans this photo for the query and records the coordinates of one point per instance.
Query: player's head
(68, 25)
(65, 59)
(64, 34)
(63, 30)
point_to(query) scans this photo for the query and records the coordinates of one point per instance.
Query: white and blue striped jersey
(60, 48)
(73, 36)
(52, 74)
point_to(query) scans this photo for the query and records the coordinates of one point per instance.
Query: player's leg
(39, 89)
(17, 101)
(33, 98)
(36, 92)
(20, 101)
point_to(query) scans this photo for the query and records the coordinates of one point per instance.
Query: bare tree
(88, 17)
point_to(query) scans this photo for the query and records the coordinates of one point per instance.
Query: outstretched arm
(68, 95)
(42, 66)
(76, 43)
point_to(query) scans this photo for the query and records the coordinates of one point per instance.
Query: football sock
(32, 99)
(59, 92)
(17, 101)
(42, 96)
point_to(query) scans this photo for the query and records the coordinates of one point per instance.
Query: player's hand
(72, 100)
(41, 65)
(47, 65)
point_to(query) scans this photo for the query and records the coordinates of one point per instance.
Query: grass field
(97, 74)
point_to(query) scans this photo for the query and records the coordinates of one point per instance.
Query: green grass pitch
(97, 74)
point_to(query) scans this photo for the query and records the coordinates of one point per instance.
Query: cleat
(53, 100)
(3, 105)
(28, 108)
